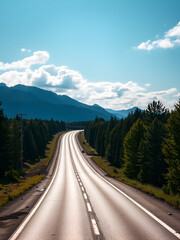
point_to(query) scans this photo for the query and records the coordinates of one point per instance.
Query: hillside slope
(39, 103)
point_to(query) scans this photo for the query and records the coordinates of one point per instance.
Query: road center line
(95, 227)
(89, 207)
(132, 200)
(85, 196)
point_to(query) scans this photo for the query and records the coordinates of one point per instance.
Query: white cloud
(163, 43)
(14, 77)
(38, 57)
(45, 76)
(51, 69)
(25, 50)
(63, 80)
(174, 32)
(171, 39)
(145, 45)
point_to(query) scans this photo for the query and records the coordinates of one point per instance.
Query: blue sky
(117, 53)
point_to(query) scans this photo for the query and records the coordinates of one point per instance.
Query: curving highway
(81, 204)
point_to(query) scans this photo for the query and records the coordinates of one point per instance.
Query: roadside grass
(118, 174)
(89, 150)
(50, 147)
(9, 191)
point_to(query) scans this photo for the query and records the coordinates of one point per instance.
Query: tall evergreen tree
(102, 142)
(62, 126)
(4, 139)
(156, 110)
(14, 145)
(111, 125)
(131, 145)
(112, 145)
(30, 152)
(171, 150)
(99, 137)
(151, 159)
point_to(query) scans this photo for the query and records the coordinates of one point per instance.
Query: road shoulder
(14, 212)
(164, 211)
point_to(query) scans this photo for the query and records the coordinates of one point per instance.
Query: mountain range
(121, 113)
(43, 104)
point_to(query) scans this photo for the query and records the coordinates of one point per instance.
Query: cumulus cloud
(47, 76)
(38, 57)
(63, 80)
(14, 77)
(141, 99)
(174, 32)
(171, 39)
(145, 45)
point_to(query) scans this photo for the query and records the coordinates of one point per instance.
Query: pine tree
(112, 146)
(131, 146)
(171, 150)
(99, 137)
(111, 125)
(30, 152)
(102, 142)
(4, 139)
(156, 110)
(62, 126)
(151, 159)
(14, 145)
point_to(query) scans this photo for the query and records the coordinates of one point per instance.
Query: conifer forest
(36, 134)
(145, 144)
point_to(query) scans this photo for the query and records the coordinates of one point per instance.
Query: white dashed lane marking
(89, 207)
(91, 213)
(95, 227)
(85, 196)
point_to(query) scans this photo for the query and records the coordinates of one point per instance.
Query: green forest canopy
(146, 144)
(36, 134)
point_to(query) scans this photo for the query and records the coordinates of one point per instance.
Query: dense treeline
(36, 134)
(76, 125)
(146, 144)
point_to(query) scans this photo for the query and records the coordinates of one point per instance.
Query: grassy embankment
(9, 191)
(118, 174)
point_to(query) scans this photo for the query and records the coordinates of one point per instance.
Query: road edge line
(20, 228)
(132, 200)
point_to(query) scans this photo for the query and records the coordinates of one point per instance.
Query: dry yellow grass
(10, 191)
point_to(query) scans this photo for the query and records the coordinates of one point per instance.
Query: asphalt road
(80, 203)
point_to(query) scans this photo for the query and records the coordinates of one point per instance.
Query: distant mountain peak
(44, 104)
(121, 113)
(97, 106)
(3, 85)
